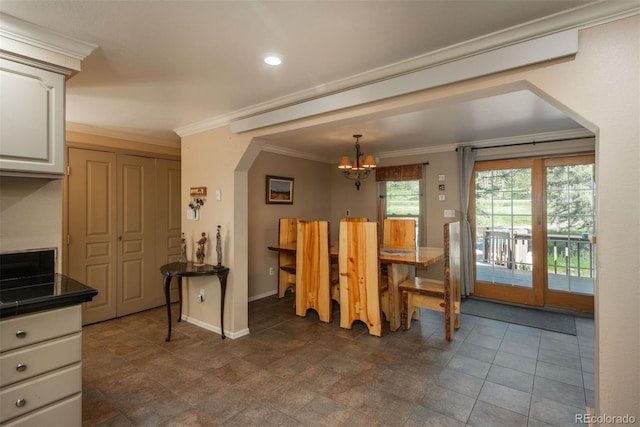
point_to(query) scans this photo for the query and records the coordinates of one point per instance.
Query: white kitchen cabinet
(31, 120)
(40, 368)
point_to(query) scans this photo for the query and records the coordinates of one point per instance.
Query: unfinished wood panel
(399, 233)
(358, 269)
(313, 269)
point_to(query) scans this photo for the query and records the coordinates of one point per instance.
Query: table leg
(180, 298)
(223, 290)
(167, 296)
(398, 273)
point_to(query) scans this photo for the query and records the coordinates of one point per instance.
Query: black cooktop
(28, 283)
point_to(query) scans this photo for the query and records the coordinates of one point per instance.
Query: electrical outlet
(271, 271)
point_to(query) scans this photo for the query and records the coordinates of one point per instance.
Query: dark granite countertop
(32, 294)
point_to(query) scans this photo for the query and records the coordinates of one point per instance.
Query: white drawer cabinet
(40, 368)
(24, 363)
(67, 412)
(20, 331)
(31, 120)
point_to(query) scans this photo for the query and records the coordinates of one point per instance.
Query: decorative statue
(200, 252)
(219, 246)
(183, 250)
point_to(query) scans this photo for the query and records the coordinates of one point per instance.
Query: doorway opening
(533, 222)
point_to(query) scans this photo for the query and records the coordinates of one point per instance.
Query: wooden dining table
(401, 264)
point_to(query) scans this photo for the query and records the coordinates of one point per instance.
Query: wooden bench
(444, 295)
(287, 234)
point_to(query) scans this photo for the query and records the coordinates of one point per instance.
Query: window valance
(399, 173)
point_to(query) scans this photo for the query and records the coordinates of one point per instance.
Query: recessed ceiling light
(272, 60)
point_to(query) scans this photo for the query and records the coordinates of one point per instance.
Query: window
(403, 200)
(401, 195)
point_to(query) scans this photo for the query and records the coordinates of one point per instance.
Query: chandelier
(358, 169)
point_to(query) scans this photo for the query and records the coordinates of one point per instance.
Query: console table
(189, 269)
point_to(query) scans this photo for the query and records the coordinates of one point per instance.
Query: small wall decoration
(279, 190)
(198, 191)
(195, 205)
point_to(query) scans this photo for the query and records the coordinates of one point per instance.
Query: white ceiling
(164, 65)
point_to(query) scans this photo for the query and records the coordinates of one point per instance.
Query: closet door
(92, 249)
(168, 221)
(139, 283)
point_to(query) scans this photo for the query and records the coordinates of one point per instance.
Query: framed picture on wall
(279, 190)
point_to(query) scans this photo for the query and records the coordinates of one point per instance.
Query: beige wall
(311, 201)
(31, 214)
(599, 88)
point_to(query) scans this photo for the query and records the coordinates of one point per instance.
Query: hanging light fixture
(359, 168)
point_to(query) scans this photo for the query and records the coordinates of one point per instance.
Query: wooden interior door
(92, 229)
(138, 284)
(168, 209)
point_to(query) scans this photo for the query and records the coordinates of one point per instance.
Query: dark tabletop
(29, 294)
(187, 269)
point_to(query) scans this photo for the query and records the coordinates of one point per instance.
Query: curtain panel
(466, 162)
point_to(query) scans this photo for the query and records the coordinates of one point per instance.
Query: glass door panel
(570, 222)
(504, 212)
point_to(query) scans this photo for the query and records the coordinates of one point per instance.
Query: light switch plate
(449, 213)
(441, 197)
(441, 177)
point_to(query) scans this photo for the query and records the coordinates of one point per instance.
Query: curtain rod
(530, 143)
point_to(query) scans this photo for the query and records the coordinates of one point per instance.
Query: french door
(534, 220)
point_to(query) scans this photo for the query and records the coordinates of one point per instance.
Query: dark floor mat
(558, 322)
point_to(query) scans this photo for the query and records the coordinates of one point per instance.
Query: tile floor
(293, 371)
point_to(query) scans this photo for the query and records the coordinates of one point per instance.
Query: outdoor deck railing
(512, 249)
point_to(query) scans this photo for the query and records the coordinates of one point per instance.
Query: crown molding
(121, 134)
(29, 40)
(493, 142)
(294, 153)
(596, 13)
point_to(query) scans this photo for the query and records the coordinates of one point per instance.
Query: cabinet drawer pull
(21, 367)
(21, 334)
(21, 402)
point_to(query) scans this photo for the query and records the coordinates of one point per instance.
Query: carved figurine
(183, 250)
(200, 252)
(219, 246)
